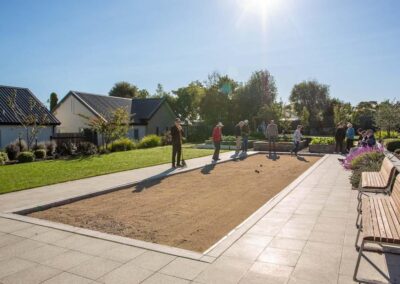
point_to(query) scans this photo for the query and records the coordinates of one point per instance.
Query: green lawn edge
(32, 175)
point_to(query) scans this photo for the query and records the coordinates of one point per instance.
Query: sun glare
(261, 9)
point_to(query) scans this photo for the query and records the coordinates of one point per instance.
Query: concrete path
(307, 238)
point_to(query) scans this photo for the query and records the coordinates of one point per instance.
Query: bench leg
(361, 280)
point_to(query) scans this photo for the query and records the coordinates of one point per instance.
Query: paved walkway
(307, 238)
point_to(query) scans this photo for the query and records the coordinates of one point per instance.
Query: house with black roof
(16, 106)
(149, 116)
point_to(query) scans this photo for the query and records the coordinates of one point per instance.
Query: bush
(87, 148)
(66, 148)
(15, 147)
(51, 147)
(150, 141)
(256, 136)
(25, 157)
(322, 141)
(40, 153)
(3, 158)
(368, 162)
(12, 151)
(392, 144)
(122, 144)
(383, 134)
(39, 146)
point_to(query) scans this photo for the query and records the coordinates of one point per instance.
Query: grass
(29, 175)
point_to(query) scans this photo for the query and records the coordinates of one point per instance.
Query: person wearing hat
(217, 138)
(176, 137)
(245, 136)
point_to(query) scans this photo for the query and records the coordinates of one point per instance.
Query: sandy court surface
(191, 210)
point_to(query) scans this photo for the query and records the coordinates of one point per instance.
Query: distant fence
(76, 138)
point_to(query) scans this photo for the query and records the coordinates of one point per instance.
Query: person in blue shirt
(349, 137)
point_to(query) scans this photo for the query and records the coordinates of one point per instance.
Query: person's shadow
(151, 181)
(208, 168)
(302, 159)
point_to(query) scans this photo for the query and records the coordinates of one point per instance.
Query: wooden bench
(380, 223)
(377, 182)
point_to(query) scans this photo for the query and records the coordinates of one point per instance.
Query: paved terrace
(307, 238)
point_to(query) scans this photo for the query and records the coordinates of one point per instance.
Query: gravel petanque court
(191, 210)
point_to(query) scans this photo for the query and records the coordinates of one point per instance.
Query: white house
(149, 116)
(11, 128)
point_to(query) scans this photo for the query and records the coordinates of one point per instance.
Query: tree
(53, 101)
(260, 90)
(314, 97)
(364, 115)
(33, 118)
(305, 118)
(113, 126)
(188, 100)
(387, 115)
(124, 90)
(216, 104)
(342, 112)
(143, 93)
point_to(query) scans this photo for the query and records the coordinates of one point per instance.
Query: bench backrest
(387, 170)
(396, 191)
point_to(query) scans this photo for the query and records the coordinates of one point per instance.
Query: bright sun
(259, 8)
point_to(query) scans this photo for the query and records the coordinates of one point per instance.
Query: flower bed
(322, 145)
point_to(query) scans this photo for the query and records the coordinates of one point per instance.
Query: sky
(57, 46)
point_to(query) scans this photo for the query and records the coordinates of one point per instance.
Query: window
(0, 140)
(157, 131)
(136, 134)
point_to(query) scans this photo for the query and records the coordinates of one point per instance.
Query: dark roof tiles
(141, 109)
(23, 99)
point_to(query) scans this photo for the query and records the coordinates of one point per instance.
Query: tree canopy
(126, 90)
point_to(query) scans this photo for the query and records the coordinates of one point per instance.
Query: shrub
(3, 158)
(256, 136)
(122, 144)
(150, 141)
(66, 148)
(367, 162)
(40, 153)
(87, 148)
(51, 147)
(39, 146)
(12, 151)
(392, 144)
(322, 141)
(383, 134)
(25, 157)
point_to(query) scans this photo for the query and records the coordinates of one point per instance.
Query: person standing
(245, 136)
(176, 138)
(217, 138)
(296, 139)
(349, 137)
(272, 135)
(238, 134)
(340, 135)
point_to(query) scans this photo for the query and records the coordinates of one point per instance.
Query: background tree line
(221, 98)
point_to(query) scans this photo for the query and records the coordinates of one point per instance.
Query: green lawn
(24, 176)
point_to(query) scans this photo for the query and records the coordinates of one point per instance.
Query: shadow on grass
(152, 181)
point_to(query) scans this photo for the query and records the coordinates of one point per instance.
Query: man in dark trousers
(340, 135)
(176, 137)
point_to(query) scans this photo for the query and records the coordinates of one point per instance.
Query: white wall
(68, 113)
(9, 133)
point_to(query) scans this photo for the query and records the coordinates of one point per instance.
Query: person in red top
(217, 138)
